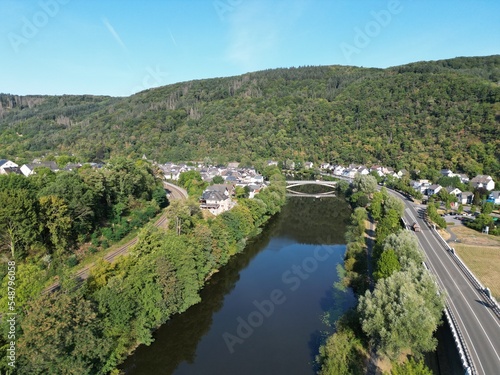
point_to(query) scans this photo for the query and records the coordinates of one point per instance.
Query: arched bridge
(294, 193)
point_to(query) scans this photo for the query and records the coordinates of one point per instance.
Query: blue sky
(118, 47)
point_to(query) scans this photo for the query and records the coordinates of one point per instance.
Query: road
(477, 320)
(175, 193)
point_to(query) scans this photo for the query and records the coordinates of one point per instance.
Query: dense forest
(440, 114)
(89, 326)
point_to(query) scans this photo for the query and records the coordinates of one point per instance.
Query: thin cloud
(172, 37)
(115, 35)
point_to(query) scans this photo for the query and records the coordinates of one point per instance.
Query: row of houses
(218, 198)
(354, 169)
(8, 166)
(423, 186)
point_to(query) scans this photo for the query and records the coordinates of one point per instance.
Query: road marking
(464, 328)
(465, 300)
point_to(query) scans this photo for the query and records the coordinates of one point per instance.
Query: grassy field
(481, 253)
(484, 261)
(469, 236)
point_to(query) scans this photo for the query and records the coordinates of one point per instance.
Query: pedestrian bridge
(293, 193)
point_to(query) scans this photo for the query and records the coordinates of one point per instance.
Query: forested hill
(426, 114)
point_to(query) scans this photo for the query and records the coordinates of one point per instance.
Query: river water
(262, 313)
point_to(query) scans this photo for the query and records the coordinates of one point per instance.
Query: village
(224, 179)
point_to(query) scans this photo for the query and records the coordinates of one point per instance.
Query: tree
(218, 180)
(387, 264)
(54, 214)
(62, 334)
(365, 183)
(487, 208)
(19, 224)
(340, 354)
(159, 195)
(394, 203)
(405, 247)
(402, 313)
(375, 207)
(411, 367)
(387, 225)
(342, 186)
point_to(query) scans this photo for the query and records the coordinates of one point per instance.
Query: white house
(308, 164)
(433, 189)
(7, 166)
(217, 199)
(363, 171)
(464, 179)
(453, 191)
(338, 170)
(483, 181)
(29, 169)
(447, 173)
(465, 197)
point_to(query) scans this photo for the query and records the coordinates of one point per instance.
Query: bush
(72, 261)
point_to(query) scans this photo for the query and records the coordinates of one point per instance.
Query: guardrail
(460, 342)
(463, 351)
(470, 275)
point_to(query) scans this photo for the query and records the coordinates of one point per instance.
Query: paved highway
(477, 320)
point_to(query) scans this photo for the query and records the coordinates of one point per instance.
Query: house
(388, 171)
(377, 169)
(325, 166)
(402, 172)
(338, 170)
(465, 197)
(29, 169)
(308, 164)
(494, 197)
(349, 173)
(7, 166)
(15, 170)
(272, 163)
(363, 171)
(253, 189)
(72, 166)
(483, 181)
(233, 165)
(217, 198)
(464, 179)
(453, 191)
(433, 189)
(447, 173)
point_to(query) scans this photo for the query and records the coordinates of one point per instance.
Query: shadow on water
(302, 220)
(176, 341)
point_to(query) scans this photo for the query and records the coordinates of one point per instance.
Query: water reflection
(194, 334)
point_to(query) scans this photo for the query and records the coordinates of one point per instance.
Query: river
(262, 313)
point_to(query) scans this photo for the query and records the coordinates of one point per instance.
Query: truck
(416, 227)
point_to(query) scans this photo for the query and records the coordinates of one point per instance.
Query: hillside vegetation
(421, 115)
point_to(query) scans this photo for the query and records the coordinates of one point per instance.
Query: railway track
(175, 193)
